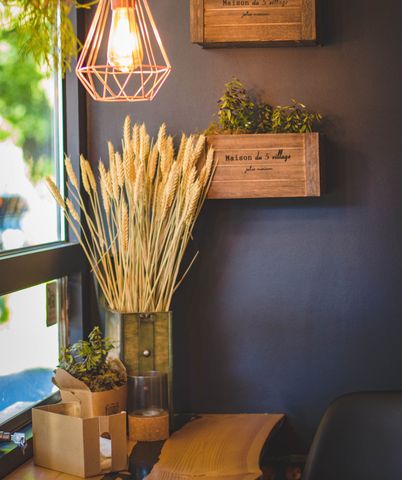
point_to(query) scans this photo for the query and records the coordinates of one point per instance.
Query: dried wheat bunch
(139, 215)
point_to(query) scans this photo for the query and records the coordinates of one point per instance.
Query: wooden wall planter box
(265, 166)
(220, 23)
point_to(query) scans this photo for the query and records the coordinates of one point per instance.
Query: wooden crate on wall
(220, 23)
(265, 166)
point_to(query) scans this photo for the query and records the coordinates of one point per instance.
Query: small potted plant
(86, 374)
(263, 151)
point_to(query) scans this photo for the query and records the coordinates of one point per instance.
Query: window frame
(35, 265)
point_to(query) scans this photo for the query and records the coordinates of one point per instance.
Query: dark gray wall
(292, 302)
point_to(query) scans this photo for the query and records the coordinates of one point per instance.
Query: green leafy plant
(295, 118)
(87, 360)
(240, 113)
(44, 29)
(236, 109)
(4, 311)
(24, 105)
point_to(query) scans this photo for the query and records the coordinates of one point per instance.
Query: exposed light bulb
(125, 50)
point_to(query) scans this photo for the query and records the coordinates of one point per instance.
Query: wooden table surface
(28, 471)
(283, 443)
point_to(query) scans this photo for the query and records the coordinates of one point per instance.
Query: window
(30, 112)
(29, 336)
(36, 249)
(30, 149)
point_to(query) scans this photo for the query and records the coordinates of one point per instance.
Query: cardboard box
(93, 404)
(68, 443)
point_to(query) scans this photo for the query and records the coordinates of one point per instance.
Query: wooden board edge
(197, 21)
(309, 20)
(262, 44)
(312, 155)
(251, 196)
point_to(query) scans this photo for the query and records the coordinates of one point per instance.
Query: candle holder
(148, 416)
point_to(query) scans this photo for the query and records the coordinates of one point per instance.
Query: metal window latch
(18, 438)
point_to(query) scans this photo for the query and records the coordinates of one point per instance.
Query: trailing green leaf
(4, 311)
(44, 29)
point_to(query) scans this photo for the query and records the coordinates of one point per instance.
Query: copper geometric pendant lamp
(123, 58)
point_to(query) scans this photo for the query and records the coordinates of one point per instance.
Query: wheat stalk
(138, 223)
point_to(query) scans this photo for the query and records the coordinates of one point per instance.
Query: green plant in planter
(295, 118)
(87, 361)
(240, 113)
(44, 29)
(236, 109)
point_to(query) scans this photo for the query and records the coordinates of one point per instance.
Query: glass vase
(148, 418)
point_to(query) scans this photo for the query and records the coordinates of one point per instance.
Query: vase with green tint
(143, 341)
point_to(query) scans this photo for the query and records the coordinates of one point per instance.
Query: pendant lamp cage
(139, 79)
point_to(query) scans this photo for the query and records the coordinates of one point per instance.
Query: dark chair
(359, 438)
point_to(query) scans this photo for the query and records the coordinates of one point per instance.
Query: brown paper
(216, 446)
(65, 380)
(96, 404)
(93, 404)
(65, 442)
